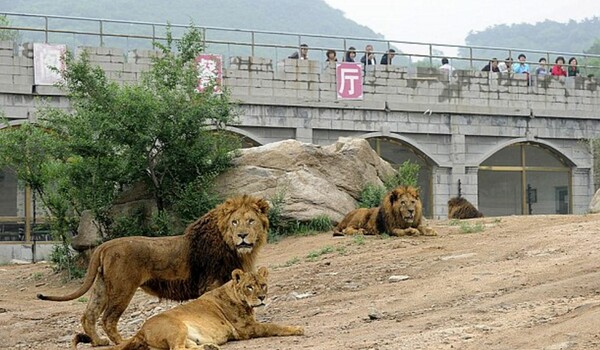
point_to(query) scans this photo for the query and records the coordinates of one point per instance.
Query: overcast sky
(449, 21)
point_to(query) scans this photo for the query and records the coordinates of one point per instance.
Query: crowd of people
(521, 66)
(350, 55)
(559, 68)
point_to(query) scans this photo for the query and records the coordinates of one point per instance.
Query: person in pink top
(558, 69)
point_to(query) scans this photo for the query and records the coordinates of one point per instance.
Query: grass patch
(37, 276)
(312, 256)
(82, 300)
(292, 261)
(454, 222)
(359, 239)
(466, 227)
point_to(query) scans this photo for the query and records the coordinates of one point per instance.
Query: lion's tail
(90, 277)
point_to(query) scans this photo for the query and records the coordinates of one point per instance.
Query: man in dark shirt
(492, 66)
(388, 56)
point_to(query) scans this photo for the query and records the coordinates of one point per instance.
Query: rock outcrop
(313, 180)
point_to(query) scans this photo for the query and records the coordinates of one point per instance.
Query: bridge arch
(248, 138)
(524, 177)
(396, 149)
(546, 144)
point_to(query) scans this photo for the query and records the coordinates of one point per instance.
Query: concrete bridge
(512, 145)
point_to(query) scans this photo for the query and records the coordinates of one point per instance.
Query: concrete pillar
(457, 156)
(304, 135)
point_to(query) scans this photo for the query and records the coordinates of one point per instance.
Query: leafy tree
(594, 62)
(159, 132)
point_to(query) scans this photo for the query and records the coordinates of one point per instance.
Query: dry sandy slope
(522, 283)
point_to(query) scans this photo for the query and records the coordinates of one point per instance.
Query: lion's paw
(430, 232)
(210, 347)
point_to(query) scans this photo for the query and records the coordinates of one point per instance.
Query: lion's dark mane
(210, 259)
(460, 208)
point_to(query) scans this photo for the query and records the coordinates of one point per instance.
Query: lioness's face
(246, 230)
(251, 287)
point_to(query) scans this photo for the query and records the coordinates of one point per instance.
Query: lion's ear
(236, 275)
(262, 271)
(393, 197)
(263, 206)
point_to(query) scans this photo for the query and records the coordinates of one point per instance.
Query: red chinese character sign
(210, 72)
(349, 81)
(46, 57)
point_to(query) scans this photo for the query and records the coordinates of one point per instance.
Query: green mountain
(564, 39)
(295, 16)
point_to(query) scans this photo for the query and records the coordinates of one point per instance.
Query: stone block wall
(455, 120)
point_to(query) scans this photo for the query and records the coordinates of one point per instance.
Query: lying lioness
(225, 313)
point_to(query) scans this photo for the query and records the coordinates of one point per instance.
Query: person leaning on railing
(388, 56)
(330, 56)
(558, 68)
(521, 66)
(302, 55)
(541, 69)
(573, 70)
(350, 54)
(492, 66)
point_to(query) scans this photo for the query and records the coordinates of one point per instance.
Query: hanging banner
(210, 72)
(349, 78)
(46, 56)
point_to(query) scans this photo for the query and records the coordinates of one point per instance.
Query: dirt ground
(521, 283)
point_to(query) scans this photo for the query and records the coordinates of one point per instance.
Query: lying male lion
(400, 214)
(177, 268)
(460, 208)
(223, 314)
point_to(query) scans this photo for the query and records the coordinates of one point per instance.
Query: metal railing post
(471, 57)
(46, 29)
(153, 35)
(430, 56)
(101, 34)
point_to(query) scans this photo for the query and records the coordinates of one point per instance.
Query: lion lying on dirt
(400, 214)
(176, 268)
(223, 314)
(460, 208)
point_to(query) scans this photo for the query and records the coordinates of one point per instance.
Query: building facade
(509, 143)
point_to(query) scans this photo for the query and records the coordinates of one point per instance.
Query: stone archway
(396, 151)
(525, 178)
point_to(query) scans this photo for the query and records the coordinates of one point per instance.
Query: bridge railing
(78, 31)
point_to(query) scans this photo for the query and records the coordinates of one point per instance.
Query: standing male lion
(176, 268)
(400, 214)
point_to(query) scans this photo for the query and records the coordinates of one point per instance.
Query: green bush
(372, 195)
(407, 175)
(65, 259)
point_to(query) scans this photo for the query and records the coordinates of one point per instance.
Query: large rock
(313, 180)
(595, 203)
(88, 232)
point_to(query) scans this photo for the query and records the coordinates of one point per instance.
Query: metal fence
(128, 35)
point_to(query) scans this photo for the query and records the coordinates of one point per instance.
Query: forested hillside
(571, 37)
(298, 16)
